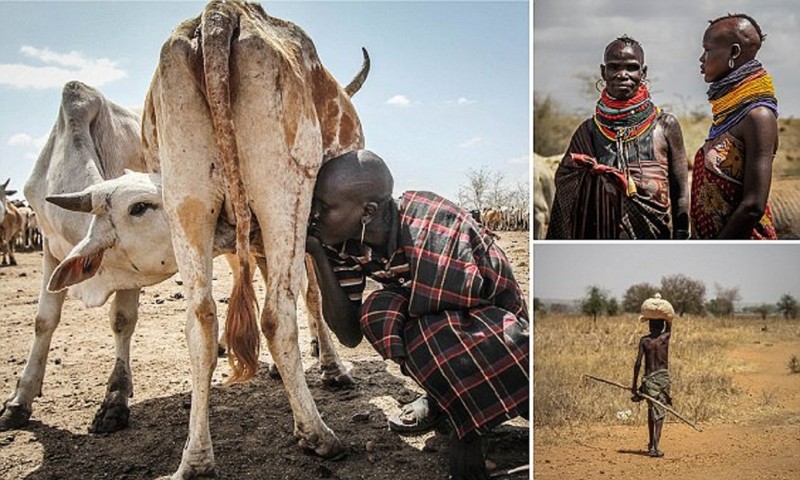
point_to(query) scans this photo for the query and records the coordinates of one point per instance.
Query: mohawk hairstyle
(744, 16)
(628, 42)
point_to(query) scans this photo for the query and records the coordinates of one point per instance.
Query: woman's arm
(759, 131)
(678, 178)
(341, 313)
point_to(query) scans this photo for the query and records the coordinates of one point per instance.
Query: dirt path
(762, 444)
(251, 424)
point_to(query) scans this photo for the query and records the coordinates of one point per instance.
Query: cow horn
(6, 184)
(77, 202)
(355, 84)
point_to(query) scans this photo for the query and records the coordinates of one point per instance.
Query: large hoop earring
(647, 83)
(363, 231)
(730, 63)
(598, 87)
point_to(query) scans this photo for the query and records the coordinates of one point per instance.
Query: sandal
(419, 416)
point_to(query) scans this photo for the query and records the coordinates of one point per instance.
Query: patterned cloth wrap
(592, 200)
(450, 313)
(656, 385)
(718, 173)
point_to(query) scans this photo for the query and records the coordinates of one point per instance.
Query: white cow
(124, 245)
(239, 117)
(544, 191)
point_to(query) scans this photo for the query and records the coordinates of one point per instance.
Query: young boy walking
(654, 348)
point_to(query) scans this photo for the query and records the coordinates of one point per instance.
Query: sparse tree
(788, 307)
(595, 303)
(612, 307)
(685, 294)
(764, 309)
(635, 295)
(726, 298)
(537, 304)
(553, 126)
(484, 188)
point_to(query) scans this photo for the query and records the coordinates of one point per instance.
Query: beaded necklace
(742, 90)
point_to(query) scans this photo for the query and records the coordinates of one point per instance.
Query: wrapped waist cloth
(656, 385)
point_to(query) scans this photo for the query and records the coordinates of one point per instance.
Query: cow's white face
(129, 232)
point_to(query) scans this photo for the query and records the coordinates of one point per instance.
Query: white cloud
(26, 140)
(399, 101)
(472, 142)
(59, 68)
(521, 160)
(464, 101)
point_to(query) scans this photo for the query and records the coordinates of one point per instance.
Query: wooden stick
(646, 397)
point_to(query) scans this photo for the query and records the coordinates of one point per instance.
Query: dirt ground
(251, 424)
(760, 442)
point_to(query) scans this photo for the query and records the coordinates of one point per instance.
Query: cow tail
(241, 325)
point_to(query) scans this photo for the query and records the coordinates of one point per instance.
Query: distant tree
(595, 303)
(764, 309)
(553, 126)
(537, 304)
(788, 307)
(685, 295)
(726, 298)
(635, 295)
(612, 307)
(713, 307)
(480, 189)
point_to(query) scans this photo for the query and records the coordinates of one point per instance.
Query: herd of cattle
(19, 227)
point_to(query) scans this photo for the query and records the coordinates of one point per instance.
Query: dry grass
(566, 347)
(794, 364)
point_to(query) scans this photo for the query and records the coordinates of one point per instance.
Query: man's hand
(313, 245)
(635, 395)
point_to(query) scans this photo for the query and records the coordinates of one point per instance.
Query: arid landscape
(732, 376)
(251, 424)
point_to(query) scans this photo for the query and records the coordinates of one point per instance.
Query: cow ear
(74, 270)
(85, 259)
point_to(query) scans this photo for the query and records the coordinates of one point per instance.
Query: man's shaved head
(625, 41)
(360, 173)
(742, 29)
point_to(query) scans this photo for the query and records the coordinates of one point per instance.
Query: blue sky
(762, 271)
(448, 90)
(570, 35)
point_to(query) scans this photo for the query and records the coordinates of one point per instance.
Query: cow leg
(195, 266)
(17, 409)
(11, 246)
(279, 324)
(113, 414)
(333, 372)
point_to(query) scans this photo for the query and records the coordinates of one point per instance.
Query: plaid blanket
(459, 325)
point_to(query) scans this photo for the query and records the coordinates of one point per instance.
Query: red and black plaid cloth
(452, 315)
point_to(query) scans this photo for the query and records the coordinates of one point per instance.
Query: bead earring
(730, 63)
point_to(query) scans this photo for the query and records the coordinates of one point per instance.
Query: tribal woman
(733, 169)
(625, 172)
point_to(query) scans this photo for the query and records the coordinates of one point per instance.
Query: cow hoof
(221, 351)
(314, 348)
(13, 417)
(334, 451)
(110, 418)
(336, 376)
(274, 372)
